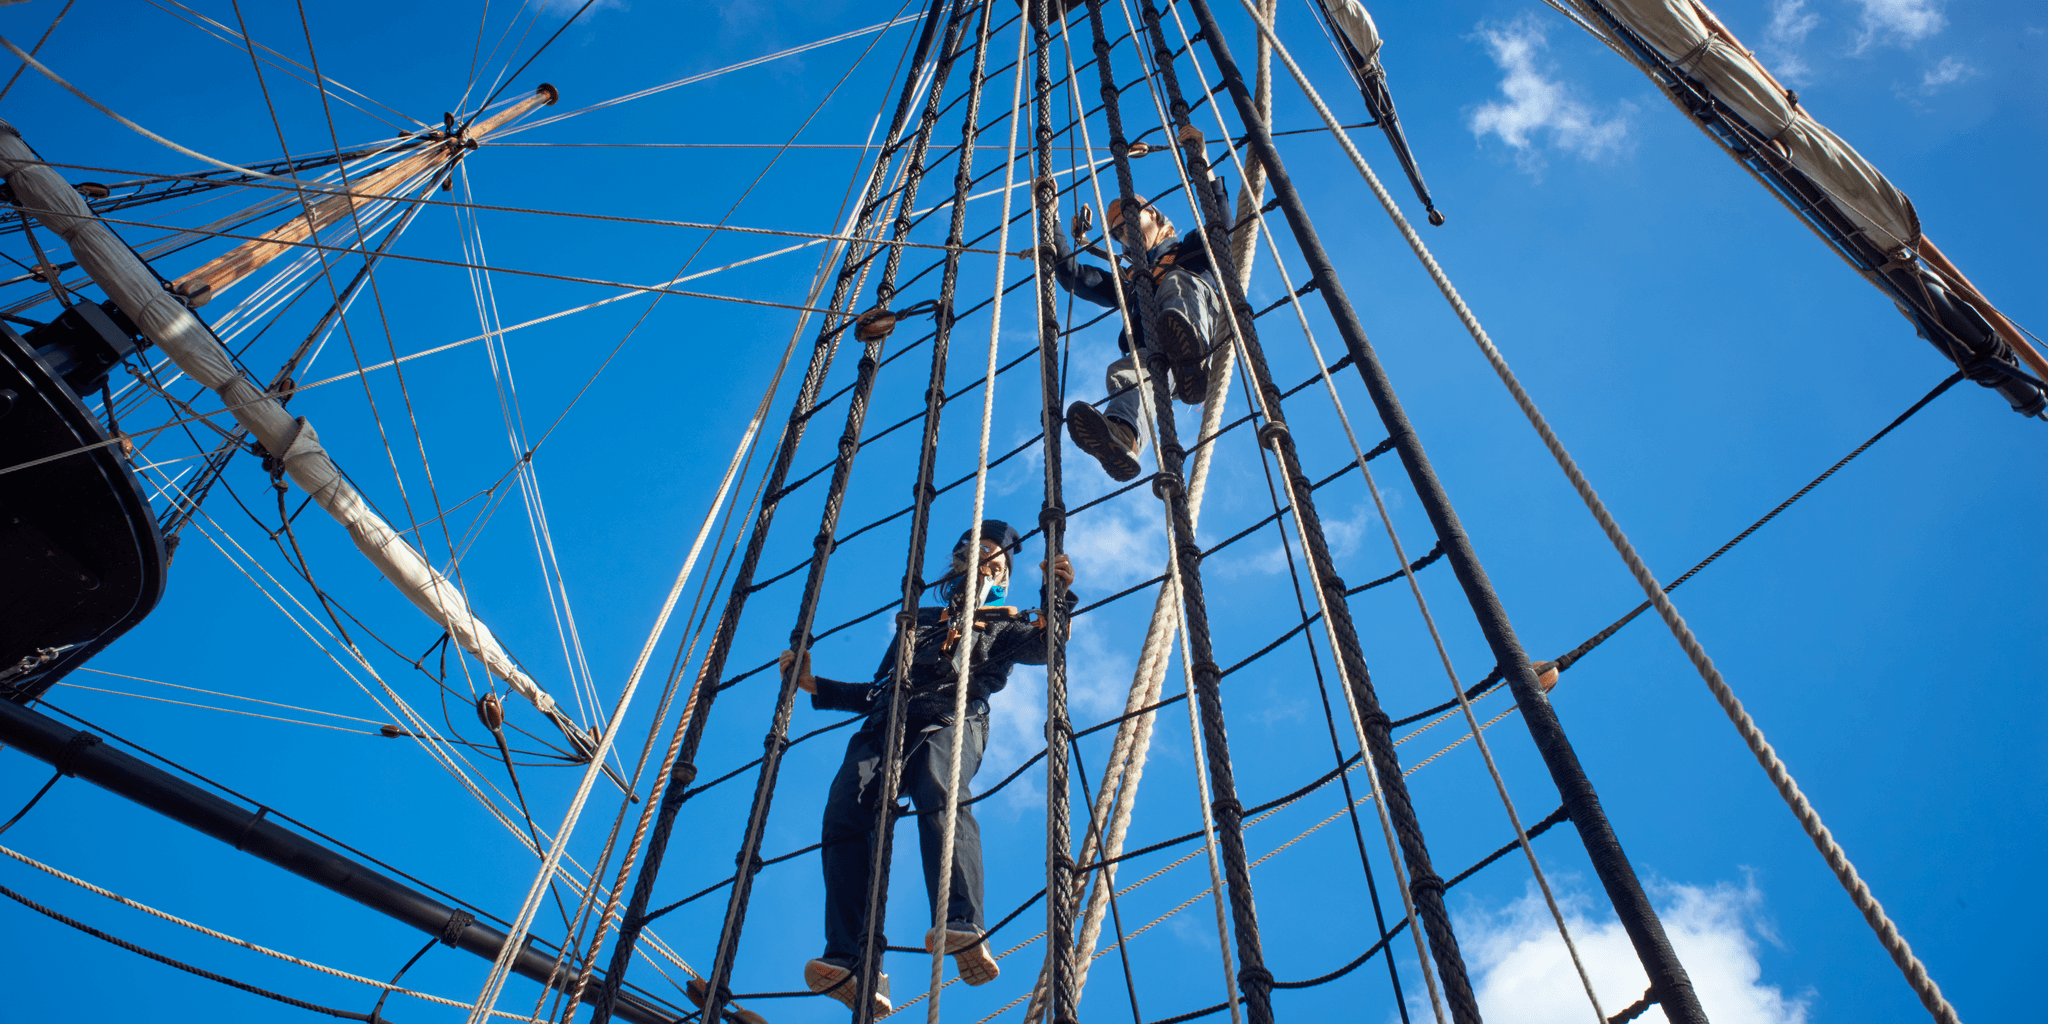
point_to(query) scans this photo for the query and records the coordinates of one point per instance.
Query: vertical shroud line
(1052, 518)
(684, 769)
(1253, 976)
(1668, 979)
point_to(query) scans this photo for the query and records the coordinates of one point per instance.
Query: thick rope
(245, 944)
(1117, 793)
(705, 692)
(964, 655)
(1781, 777)
(1061, 985)
(748, 857)
(1370, 722)
(1344, 419)
(1253, 976)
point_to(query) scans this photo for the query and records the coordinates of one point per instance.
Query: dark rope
(32, 801)
(1635, 1009)
(180, 965)
(1323, 979)
(682, 767)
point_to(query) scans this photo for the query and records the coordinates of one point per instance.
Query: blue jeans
(1179, 292)
(850, 808)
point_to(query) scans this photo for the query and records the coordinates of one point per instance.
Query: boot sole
(1090, 432)
(696, 989)
(970, 956)
(839, 983)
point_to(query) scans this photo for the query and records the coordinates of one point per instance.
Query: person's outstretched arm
(828, 694)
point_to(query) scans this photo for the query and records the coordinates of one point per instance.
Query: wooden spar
(192, 345)
(1953, 277)
(226, 270)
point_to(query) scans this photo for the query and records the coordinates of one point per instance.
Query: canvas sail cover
(192, 346)
(1351, 19)
(1680, 30)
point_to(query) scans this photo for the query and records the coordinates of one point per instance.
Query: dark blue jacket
(1091, 283)
(1003, 638)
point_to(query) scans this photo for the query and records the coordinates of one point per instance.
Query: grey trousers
(1194, 297)
(850, 817)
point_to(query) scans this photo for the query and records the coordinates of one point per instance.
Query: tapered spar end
(549, 92)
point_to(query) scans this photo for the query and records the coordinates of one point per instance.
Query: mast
(292, 445)
(217, 275)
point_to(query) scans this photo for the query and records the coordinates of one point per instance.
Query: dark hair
(1005, 537)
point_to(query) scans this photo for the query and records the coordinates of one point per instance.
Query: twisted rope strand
(1752, 735)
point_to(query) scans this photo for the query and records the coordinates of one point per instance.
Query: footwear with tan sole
(830, 979)
(968, 947)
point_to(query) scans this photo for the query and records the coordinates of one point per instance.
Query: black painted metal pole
(1668, 980)
(82, 755)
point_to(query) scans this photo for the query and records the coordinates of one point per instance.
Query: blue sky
(1698, 351)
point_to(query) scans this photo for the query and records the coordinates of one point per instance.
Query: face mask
(997, 592)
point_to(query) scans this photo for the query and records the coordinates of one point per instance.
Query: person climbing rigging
(1001, 637)
(1191, 312)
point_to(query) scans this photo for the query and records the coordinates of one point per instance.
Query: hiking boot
(1110, 441)
(969, 950)
(1184, 348)
(835, 979)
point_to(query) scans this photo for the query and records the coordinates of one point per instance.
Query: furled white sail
(1351, 19)
(192, 346)
(1689, 36)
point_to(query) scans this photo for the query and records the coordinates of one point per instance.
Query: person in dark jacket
(1001, 637)
(1191, 326)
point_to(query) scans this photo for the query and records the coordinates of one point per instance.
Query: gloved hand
(1084, 222)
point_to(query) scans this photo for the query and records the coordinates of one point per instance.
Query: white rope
(251, 946)
(1457, 688)
(494, 985)
(132, 126)
(1124, 769)
(728, 69)
(1191, 855)
(1350, 700)
(1781, 777)
(964, 653)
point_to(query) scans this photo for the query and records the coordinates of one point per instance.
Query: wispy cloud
(1896, 23)
(1785, 39)
(1539, 109)
(1524, 973)
(567, 8)
(1950, 71)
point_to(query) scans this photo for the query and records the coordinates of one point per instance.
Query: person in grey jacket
(1190, 327)
(1001, 637)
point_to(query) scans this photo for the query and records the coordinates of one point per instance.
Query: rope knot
(1053, 512)
(1250, 978)
(76, 745)
(1166, 485)
(458, 922)
(1426, 883)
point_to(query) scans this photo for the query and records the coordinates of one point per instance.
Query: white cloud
(1897, 23)
(1790, 24)
(1523, 973)
(1950, 71)
(566, 8)
(1540, 108)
